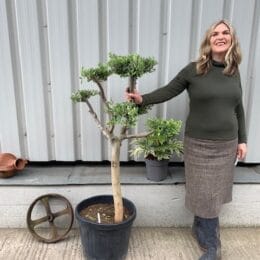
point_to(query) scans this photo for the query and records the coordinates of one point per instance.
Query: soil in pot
(105, 212)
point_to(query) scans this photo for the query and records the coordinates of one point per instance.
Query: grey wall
(45, 42)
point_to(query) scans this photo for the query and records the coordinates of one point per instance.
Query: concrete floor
(145, 243)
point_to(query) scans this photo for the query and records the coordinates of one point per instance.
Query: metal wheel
(51, 229)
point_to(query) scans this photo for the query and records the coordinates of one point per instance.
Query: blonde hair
(232, 57)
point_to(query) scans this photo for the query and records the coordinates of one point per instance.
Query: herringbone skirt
(209, 172)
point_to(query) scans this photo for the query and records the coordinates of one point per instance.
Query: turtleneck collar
(218, 63)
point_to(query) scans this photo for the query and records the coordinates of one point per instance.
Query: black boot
(198, 234)
(211, 254)
(210, 228)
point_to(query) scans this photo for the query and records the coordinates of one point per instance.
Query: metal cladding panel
(9, 122)
(252, 100)
(32, 88)
(44, 43)
(62, 76)
(89, 47)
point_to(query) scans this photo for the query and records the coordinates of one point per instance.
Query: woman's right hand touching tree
(135, 97)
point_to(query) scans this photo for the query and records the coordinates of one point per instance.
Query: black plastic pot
(156, 170)
(104, 241)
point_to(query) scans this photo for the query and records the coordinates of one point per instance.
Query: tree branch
(111, 129)
(102, 92)
(105, 101)
(123, 131)
(141, 135)
(104, 131)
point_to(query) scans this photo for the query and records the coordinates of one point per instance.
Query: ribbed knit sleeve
(239, 110)
(172, 89)
(242, 137)
(241, 123)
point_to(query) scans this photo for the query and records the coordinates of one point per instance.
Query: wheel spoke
(45, 202)
(54, 231)
(61, 213)
(38, 221)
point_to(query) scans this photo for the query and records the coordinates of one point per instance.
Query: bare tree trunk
(115, 175)
(132, 84)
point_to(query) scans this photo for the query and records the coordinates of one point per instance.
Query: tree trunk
(132, 84)
(115, 175)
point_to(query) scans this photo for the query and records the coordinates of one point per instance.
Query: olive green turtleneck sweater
(216, 109)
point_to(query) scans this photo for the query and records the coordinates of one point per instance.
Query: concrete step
(158, 204)
(145, 244)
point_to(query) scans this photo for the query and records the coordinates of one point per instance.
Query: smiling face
(220, 42)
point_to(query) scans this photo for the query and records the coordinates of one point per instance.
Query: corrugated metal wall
(45, 42)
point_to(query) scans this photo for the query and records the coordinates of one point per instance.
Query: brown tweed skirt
(209, 172)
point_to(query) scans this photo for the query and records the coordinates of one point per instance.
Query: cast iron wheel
(53, 230)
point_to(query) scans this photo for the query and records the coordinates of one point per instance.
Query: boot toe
(211, 254)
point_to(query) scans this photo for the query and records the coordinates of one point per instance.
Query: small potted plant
(105, 221)
(159, 146)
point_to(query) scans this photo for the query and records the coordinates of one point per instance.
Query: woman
(215, 133)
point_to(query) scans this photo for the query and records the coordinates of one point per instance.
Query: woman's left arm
(242, 138)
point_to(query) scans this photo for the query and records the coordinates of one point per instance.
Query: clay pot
(9, 164)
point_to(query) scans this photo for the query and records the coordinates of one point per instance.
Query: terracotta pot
(9, 164)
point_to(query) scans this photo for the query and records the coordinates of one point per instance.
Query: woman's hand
(241, 151)
(136, 97)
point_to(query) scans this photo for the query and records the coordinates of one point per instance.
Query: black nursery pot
(157, 170)
(104, 241)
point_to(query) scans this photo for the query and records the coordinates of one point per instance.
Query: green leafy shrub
(83, 94)
(132, 65)
(124, 114)
(162, 142)
(100, 73)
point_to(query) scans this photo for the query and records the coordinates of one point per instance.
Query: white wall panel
(89, 46)
(9, 131)
(31, 79)
(61, 78)
(253, 90)
(243, 21)
(44, 43)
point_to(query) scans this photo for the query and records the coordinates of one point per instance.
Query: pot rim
(104, 225)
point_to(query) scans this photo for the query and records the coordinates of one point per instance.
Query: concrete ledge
(96, 175)
(158, 204)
